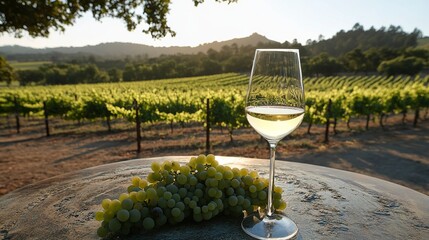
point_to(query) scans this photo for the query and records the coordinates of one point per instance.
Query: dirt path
(399, 154)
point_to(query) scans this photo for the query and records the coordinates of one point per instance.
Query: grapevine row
(184, 100)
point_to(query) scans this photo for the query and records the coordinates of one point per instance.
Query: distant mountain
(120, 49)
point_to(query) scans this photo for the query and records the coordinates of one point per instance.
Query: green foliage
(183, 100)
(401, 65)
(38, 18)
(6, 72)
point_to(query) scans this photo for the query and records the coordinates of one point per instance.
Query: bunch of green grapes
(171, 193)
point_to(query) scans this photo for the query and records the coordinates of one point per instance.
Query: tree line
(388, 51)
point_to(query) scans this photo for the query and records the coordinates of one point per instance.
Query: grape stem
(270, 209)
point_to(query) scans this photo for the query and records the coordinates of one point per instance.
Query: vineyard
(216, 100)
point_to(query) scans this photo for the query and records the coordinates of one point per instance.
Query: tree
(27, 77)
(38, 18)
(6, 72)
(401, 65)
(356, 61)
(323, 64)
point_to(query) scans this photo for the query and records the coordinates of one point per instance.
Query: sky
(278, 20)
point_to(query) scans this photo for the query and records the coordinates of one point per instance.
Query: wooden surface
(325, 203)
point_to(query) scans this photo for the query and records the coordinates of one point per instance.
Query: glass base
(277, 226)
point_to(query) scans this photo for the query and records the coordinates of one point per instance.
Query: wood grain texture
(325, 203)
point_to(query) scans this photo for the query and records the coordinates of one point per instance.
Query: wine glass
(274, 108)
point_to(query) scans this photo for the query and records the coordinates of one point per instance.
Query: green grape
(141, 196)
(175, 166)
(236, 172)
(248, 180)
(133, 195)
(135, 215)
(201, 159)
(252, 188)
(102, 232)
(192, 204)
(199, 193)
(220, 168)
(185, 170)
(211, 171)
(99, 216)
(282, 205)
(262, 195)
(244, 172)
(171, 203)
(229, 191)
(278, 189)
(160, 191)
(218, 176)
(210, 158)
(143, 183)
(136, 181)
(235, 183)
(232, 200)
(123, 196)
(151, 194)
(127, 204)
(162, 202)
(277, 195)
(182, 179)
(180, 205)
(151, 177)
(240, 200)
(204, 209)
(260, 185)
(145, 212)
(105, 203)
(167, 195)
(199, 189)
(182, 192)
(212, 205)
(202, 175)
(193, 180)
(214, 183)
(167, 165)
(228, 175)
(155, 166)
(212, 192)
(114, 225)
(148, 223)
(254, 174)
(176, 197)
(175, 212)
(240, 191)
(123, 215)
(109, 215)
(219, 194)
(197, 210)
(214, 163)
(172, 188)
(200, 167)
(276, 203)
(115, 205)
(138, 206)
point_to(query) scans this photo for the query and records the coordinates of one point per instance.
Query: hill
(342, 42)
(120, 50)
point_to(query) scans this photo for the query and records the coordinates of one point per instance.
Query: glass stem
(270, 208)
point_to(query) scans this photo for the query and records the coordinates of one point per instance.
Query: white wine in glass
(274, 108)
